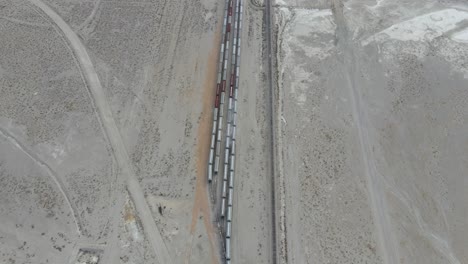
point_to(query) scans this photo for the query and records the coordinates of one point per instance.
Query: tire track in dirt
(52, 174)
(111, 131)
(375, 187)
(24, 23)
(91, 17)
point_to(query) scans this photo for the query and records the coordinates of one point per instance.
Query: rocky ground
(374, 130)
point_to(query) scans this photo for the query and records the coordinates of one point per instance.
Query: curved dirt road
(111, 132)
(52, 174)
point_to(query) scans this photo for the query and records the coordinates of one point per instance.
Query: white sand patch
(312, 24)
(308, 33)
(280, 2)
(378, 3)
(313, 21)
(305, 26)
(461, 36)
(421, 28)
(299, 86)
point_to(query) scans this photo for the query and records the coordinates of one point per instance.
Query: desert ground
(105, 124)
(103, 118)
(372, 110)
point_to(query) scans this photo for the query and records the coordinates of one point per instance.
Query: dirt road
(112, 133)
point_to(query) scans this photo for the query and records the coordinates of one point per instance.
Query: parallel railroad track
(226, 132)
(223, 136)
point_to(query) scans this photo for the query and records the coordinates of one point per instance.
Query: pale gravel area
(252, 236)
(152, 61)
(374, 130)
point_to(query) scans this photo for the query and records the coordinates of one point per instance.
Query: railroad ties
(232, 26)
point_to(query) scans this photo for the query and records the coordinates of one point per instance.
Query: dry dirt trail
(111, 131)
(373, 99)
(374, 183)
(53, 175)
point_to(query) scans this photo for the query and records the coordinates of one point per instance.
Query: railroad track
(223, 135)
(278, 228)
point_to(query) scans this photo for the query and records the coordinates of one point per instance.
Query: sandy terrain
(374, 131)
(252, 207)
(102, 121)
(105, 123)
